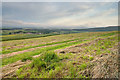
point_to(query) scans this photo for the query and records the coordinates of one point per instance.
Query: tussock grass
(83, 66)
(27, 58)
(46, 63)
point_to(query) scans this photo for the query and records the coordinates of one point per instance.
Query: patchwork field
(78, 55)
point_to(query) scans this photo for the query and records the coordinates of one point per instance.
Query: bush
(83, 66)
(37, 63)
(50, 57)
(46, 61)
(91, 58)
(27, 58)
(85, 57)
(52, 66)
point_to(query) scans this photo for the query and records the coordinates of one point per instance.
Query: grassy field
(23, 36)
(58, 56)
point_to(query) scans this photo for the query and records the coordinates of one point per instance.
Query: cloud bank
(59, 14)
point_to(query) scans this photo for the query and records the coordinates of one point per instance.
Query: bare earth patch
(27, 50)
(10, 69)
(105, 66)
(76, 48)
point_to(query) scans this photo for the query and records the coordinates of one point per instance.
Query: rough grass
(15, 50)
(43, 64)
(26, 58)
(17, 57)
(51, 65)
(69, 65)
(19, 45)
(24, 36)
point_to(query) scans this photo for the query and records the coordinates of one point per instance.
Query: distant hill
(110, 28)
(7, 31)
(34, 33)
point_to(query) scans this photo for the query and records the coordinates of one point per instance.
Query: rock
(73, 52)
(106, 54)
(101, 55)
(62, 52)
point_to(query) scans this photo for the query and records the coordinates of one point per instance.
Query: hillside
(110, 28)
(79, 55)
(26, 33)
(60, 31)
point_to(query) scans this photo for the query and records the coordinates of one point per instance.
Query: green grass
(46, 63)
(15, 58)
(43, 41)
(83, 66)
(85, 57)
(109, 34)
(53, 65)
(21, 49)
(48, 57)
(27, 58)
(88, 57)
(42, 50)
(23, 36)
(91, 58)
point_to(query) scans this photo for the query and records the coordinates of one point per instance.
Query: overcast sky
(60, 14)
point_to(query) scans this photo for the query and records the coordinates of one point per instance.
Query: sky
(59, 14)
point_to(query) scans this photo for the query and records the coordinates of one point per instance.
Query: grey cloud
(60, 0)
(50, 13)
(41, 11)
